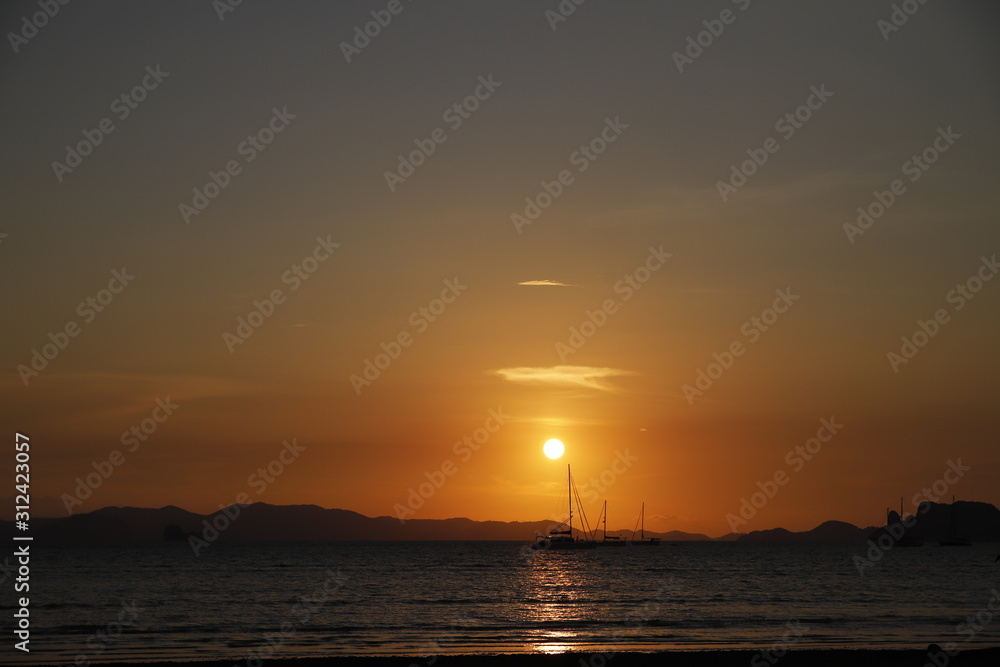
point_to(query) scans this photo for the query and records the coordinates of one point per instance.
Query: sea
(250, 601)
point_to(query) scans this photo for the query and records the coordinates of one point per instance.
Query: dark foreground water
(236, 601)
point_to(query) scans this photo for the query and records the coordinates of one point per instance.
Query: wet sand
(802, 658)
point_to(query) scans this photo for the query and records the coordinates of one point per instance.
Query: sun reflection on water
(556, 587)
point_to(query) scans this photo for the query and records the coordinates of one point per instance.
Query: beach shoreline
(678, 658)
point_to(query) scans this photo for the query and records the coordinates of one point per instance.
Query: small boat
(953, 540)
(563, 540)
(609, 540)
(643, 541)
(905, 540)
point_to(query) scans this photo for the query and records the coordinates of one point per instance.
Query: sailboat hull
(562, 540)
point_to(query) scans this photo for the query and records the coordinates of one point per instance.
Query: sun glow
(553, 449)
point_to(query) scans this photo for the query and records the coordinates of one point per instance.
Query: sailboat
(563, 539)
(643, 540)
(954, 540)
(609, 540)
(905, 540)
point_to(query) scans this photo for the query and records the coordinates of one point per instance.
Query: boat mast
(606, 520)
(954, 518)
(642, 513)
(569, 487)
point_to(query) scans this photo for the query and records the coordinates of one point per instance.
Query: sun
(553, 449)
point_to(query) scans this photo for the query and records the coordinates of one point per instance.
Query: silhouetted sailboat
(904, 540)
(643, 540)
(609, 540)
(953, 540)
(563, 539)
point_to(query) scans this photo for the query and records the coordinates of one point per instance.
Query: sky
(254, 250)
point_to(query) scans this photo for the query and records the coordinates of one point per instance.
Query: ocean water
(241, 601)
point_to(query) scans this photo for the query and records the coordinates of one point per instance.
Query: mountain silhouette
(829, 531)
(933, 522)
(980, 522)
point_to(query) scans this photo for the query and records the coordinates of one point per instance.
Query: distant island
(979, 522)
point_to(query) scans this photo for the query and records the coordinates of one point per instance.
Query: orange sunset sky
(620, 143)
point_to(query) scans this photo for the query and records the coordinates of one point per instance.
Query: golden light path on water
(558, 585)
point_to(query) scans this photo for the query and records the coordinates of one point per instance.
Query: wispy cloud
(589, 377)
(546, 283)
